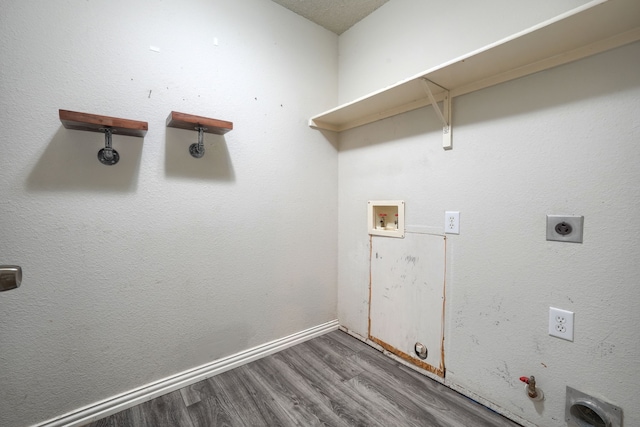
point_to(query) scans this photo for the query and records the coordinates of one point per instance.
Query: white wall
(136, 272)
(407, 37)
(563, 141)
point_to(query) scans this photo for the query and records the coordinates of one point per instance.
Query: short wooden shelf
(97, 123)
(191, 122)
(595, 27)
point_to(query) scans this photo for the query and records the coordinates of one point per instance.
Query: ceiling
(334, 15)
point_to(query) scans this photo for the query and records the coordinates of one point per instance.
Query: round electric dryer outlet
(565, 228)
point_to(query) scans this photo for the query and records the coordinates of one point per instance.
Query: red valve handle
(524, 379)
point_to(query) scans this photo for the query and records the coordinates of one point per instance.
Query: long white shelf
(595, 27)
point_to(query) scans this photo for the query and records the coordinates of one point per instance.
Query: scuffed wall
(563, 141)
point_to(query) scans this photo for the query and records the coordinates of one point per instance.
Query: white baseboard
(145, 393)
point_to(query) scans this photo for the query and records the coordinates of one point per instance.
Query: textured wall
(136, 272)
(562, 141)
(407, 37)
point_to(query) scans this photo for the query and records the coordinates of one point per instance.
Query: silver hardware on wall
(421, 350)
(108, 156)
(565, 228)
(582, 410)
(10, 277)
(534, 393)
(197, 150)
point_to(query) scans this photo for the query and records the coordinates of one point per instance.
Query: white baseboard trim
(145, 393)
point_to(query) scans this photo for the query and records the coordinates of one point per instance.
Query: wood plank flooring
(331, 380)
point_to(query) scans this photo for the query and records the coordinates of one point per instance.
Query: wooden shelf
(97, 123)
(597, 26)
(191, 122)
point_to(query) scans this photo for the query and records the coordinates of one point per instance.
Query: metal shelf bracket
(444, 115)
(197, 150)
(108, 156)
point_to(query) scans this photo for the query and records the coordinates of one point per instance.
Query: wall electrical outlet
(561, 323)
(452, 222)
(565, 228)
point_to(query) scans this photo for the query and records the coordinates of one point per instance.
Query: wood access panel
(407, 297)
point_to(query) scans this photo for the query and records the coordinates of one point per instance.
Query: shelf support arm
(108, 156)
(444, 115)
(197, 150)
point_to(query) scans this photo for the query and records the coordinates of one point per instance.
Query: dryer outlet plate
(565, 228)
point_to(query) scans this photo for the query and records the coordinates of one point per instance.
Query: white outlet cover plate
(452, 222)
(561, 323)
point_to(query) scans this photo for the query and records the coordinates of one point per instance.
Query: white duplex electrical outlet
(452, 222)
(561, 323)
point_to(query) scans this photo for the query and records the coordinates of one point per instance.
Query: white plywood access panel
(407, 297)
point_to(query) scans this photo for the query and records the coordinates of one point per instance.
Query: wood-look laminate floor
(331, 380)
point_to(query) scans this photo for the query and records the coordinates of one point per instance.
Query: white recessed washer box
(386, 218)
